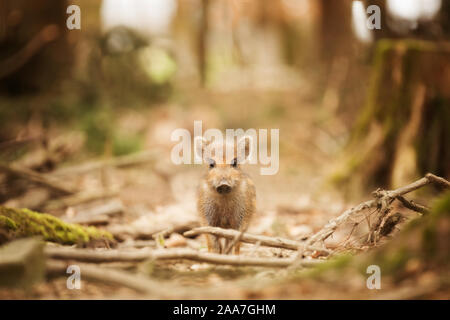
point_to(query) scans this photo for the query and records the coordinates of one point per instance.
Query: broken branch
(251, 238)
(413, 206)
(183, 254)
(80, 198)
(118, 162)
(36, 178)
(438, 180)
(106, 275)
(383, 199)
(233, 243)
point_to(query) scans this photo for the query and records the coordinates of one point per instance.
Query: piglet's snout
(223, 187)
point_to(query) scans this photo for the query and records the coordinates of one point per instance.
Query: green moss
(370, 108)
(343, 174)
(7, 223)
(124, 143)
(392, 261)
(158, 64)
(429, 242)
(26, 223)
(336, 264)
(441, 207)
(98, 126)
(431, 237)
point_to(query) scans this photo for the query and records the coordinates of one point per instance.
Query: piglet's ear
(200, 145)
(244, 148)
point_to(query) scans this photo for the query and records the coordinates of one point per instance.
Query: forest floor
(151, 197)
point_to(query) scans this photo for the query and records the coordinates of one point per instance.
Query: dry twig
(233, 243)
(46, 35)
(87, 255)
(251, 238)
(107, 275)
(36, 178)
(80, 198)
(118, 162)
(382, 202)
(412, 205)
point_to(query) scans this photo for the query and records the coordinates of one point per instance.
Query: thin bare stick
(413, 206)
(17, 142)
(438, 180)
(146, 287)
(106, 275)
(46, 35)
(80, 198)
(89, 221)
(138, 244)
(122, 231)
(97, 255)
(232, 243)
(140, 158)
(251, 238)
(331, 226)
(87, 255)
(255, 248)
(36, 178)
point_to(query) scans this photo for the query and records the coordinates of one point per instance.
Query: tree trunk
(402, 131)
(34, 51)
(335, 32)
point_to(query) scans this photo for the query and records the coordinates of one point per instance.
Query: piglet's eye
(212, 163)
(234, 163)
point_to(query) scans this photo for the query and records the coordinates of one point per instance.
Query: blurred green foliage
(125, 143)
(121, 70)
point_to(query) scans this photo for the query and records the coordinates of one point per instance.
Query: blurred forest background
(93, 109)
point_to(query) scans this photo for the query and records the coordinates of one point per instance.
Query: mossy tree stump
(403, 130)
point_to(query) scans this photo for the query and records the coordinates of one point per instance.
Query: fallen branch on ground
(46, 35)
(150, 288)
(106, 275)
(382, 201)
(251, 238)
(89, 221)
(37, 178)
(233, 242)
(137, 244)
(109, 208)
(144, 157)
(17, 142)
(79, 198)
(123, 231)
(412, 205)
(87, 255)
(438, 180)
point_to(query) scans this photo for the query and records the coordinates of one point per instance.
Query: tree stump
(402, 131)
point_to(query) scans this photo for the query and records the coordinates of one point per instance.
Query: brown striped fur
(232, 210)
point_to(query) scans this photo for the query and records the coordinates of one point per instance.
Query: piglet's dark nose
(223, 188)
